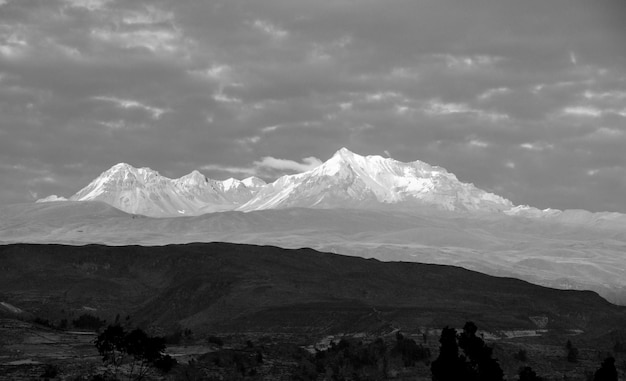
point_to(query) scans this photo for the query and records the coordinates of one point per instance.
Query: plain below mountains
(565, 252)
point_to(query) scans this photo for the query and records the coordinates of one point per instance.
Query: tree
(111, 346)
(144, 351)
(448, 366)
(410, 351)
(475, 364)
(480, 361)
(136, 348)
(88, 321)
(572, 354)
(527, 374)
(607, 371)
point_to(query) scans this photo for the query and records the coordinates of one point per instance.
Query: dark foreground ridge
(224, 287)
(231, 311)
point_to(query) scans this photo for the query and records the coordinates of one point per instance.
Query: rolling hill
(223, 287)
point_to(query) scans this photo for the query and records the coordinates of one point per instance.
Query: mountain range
(346, 180)
(365, 206)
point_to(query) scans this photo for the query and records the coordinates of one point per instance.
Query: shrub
(527, 374)
(521, 355)
(136, 348)
(215, 340)
(87, 321)
(50, 371)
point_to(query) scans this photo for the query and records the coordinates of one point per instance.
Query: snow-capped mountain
(345, 180)
(145, 191)
(351, 180)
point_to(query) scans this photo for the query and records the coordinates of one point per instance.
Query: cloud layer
(525, 99)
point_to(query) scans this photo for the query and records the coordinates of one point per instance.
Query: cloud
(308, 163)
(230, 169)
(272, 30)
(478, 143)
(588, 111)
(129, 103)
(176, 85)
(537, 146)
(493, 92)
(437, 108)
(155, 41)
(469, 62)
(606, 95)
(91, 5)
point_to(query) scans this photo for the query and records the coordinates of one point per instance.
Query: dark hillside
(243, 288)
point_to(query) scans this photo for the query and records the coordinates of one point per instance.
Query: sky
(526, 99)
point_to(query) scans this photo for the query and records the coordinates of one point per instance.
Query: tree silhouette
(144, 350)
(448, 366)
(475, 365)
(527, 374)
(607, 371)
(111, 346)
(136, 348)
(482, 365)
(572, 352)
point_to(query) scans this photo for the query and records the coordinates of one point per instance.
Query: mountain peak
(346, 154)
(345, 180)
(344, 151)
(231, 183)
(193, 178)
(253, 182)
(350, 180)
(122, 166)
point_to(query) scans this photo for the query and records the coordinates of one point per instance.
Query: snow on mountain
(345, 180)
(253, 182)
(52, 198)
(145, 191)
(350, 180)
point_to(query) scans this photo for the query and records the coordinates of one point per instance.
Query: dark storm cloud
(525, 99)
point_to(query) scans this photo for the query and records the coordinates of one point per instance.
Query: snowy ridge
(144, 191)
(345, 180)
(348, 179)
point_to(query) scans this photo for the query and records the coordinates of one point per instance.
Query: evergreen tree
(481, 364)
(449, 365)
(476, 364)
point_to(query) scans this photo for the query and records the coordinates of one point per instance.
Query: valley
(277, 297)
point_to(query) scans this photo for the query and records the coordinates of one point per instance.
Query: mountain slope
(144, 191)
(560, 251)
(345, 180)
(351, 180)
(226, 287)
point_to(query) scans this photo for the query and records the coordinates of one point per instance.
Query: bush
(215, 340)
(410, 351)
(44, 322)
(50, 371)
(87, 321)
(527, 374)
(572, 354)
(136, 348)
(619, 347)
(521, 356)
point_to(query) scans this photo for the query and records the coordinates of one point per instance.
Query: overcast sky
(526, 99)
